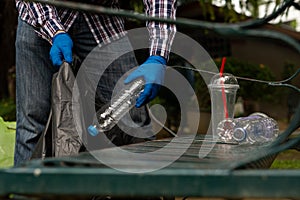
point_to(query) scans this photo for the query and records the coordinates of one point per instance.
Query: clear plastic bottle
(111, 113)
(256, 128)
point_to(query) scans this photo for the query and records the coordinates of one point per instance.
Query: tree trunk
(8, 23)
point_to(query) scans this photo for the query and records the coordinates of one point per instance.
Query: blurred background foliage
(8, 109)
(233, 10)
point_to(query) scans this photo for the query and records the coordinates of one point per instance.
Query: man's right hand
(61, 49)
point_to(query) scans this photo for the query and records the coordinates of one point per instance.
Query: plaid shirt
(48, 20)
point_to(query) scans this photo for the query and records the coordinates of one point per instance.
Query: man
(48, 36)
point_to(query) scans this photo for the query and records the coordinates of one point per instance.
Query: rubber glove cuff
(156, 59)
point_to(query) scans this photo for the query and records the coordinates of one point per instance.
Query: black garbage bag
(60, 137)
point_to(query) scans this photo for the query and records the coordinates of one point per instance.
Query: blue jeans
(34, 72)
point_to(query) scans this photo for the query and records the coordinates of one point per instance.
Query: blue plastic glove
(153, 73)
(61, 49)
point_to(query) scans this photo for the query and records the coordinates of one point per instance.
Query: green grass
(289, 159)
(286, 164)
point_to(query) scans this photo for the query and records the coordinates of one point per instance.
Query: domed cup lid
(225, 80)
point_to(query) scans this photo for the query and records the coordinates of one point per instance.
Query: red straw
(222, 66)
(223, 90)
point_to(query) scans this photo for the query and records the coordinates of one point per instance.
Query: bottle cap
(93, 130)
(239, 134)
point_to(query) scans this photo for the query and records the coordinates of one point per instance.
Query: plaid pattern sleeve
(161, 34)
(44, 17)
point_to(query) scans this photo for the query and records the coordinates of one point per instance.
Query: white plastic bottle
(256, 128)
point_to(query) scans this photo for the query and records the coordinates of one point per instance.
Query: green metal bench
(227, 171)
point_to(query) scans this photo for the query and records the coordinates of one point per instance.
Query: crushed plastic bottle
(119, 106)
(256, 128)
